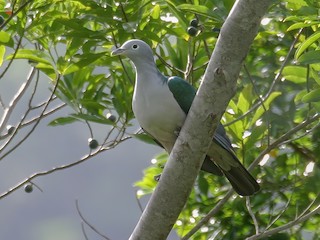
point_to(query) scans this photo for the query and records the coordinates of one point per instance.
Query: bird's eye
(135, 46)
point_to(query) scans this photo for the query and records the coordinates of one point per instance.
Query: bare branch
(62, 167)
(36, 123)
(13, 57)
(84, 231)
(138, 202)
(88, 224)
(280, 214)
(284, 138)
(15, 13)
(298, 220)
(206, 219)
(8, 111)
(254, 219)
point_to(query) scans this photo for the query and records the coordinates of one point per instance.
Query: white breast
(158, 112)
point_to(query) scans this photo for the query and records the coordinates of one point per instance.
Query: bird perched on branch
(161, 105)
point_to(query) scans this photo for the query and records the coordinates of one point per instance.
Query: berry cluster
(193, 28)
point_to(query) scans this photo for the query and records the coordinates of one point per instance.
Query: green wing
(183, 92)
(221, 151)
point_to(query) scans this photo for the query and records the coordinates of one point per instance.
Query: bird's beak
(117, 51)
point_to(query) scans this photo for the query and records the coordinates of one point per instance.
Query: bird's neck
(147, 74)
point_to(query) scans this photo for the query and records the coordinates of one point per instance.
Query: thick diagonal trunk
(213, 96)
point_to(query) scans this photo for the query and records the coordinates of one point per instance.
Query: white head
(135, 49)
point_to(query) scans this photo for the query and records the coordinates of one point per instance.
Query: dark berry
(194, 23)
(192, 31)
(28, 188)
(93, 144)
(111, 117)
(10, 129)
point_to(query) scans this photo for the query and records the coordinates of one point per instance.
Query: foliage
(275, 111)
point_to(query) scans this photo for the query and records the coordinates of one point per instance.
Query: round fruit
(10, 129)
(192, 31)
(111, 117)
(93, 144)
(28, 188)
(194, 23)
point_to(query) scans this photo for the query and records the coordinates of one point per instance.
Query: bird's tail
(241, 180)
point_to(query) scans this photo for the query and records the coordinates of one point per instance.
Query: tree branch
(283, 227)
(279, 141)
(63, 167)
(8, 111)
(216, 90)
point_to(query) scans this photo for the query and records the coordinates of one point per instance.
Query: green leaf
(266, 104)
(245, 99)
(198, 9)
(257, 132)
(70, 69)
(144, 138)
(32, 55)
(296, 74)
(310, 57)
(178, 14)
(2, 52)
(300, 25)
(313, 96)
(203, 184)
(130, 27)
(5, 38)
(63, 121)
(296, 4)
(310, 40)
(93, 118)
(155, 13)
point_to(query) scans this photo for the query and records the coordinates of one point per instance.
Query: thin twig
(206, 219)
(89, 224)
(171, 67)
(259, 98)
(59, 168)
(121, 62)
(283, 227)
(14, 14)
(45, 114)
(84, 231)
(8, 111)
(2, 103)
(13, 56)
(276, 79)
(254, 219)
(189, 65)
(30, 121)
(279, 214)
(34, 126)
(309, 206)
(138, 201)
(284, 138)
